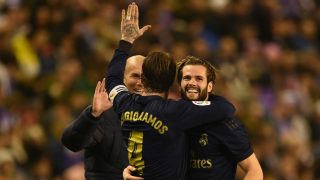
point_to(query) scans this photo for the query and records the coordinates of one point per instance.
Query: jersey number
(135, 143)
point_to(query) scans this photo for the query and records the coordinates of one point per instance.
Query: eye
(199, 78)
(186, 78)
(135, 76)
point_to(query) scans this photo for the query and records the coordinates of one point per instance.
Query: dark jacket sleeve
(79, 134)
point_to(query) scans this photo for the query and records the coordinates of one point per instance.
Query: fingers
(131, 168)
(127, 173)
(97, 90)
(129, 11)
(135, 13)
(103, 85)
(145, 28)
(123, 17)
(132, 13)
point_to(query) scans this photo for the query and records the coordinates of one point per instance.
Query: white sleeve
(115, 91)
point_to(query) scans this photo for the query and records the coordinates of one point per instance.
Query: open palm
(130, 30)
(101, 100)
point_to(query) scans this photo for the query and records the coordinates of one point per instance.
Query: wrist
(125, 46)
(95, 113)
(129, 40)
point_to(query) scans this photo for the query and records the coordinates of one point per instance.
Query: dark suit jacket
(105, 154)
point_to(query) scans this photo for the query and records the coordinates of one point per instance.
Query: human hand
(130, 30)
(101, 100)
(127, 174)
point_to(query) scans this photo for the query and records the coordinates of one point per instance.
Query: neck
(163, 95)
(208, 96)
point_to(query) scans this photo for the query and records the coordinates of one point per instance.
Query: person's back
(156, 146)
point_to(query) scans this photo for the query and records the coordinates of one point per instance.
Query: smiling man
(132, 74)
(216, 148)
(195, 80)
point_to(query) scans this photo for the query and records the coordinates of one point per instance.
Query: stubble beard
(202, 95)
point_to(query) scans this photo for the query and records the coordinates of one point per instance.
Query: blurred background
(53, 52)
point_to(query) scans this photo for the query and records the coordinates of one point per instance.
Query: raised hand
(130, 30)
(101, 100)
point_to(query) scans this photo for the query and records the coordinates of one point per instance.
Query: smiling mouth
(138, 91)
(192, 94)
(193, 91)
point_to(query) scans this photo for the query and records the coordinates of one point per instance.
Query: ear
(210, 87)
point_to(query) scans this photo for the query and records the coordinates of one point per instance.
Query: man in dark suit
(99, 134)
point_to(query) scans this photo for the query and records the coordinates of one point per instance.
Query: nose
(139, 82)
(192, 81)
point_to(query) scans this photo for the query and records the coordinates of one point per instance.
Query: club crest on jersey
(203, 141)
(202, 103)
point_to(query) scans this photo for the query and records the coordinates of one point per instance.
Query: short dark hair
(191, 60)
(158, 72)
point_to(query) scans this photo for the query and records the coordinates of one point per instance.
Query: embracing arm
(252, 168)
(195, 113)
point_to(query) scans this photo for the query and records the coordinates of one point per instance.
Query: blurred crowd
(53, 52)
